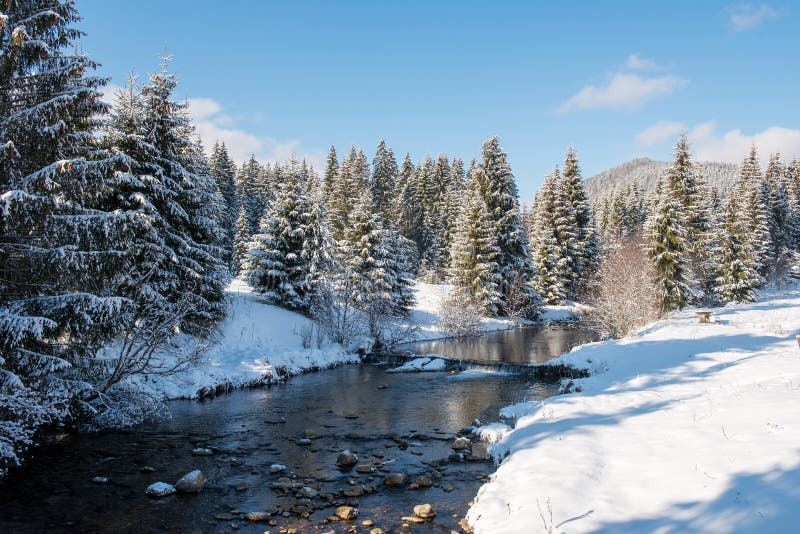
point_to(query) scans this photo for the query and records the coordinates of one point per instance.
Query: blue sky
(615, 79)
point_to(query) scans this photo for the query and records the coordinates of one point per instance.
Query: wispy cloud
(659, 132)
(732, 146)
(214, 124)
(623, 91)
(748, 16)
(637, 62)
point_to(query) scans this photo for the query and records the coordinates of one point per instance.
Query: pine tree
(241, 246)
(64, 230)
(384, 176)
(752, 203)
(331, 174)
(251, 193)
(552, 241)
(586, 247)
(474, 253)
(666, 248)
(289, 254)
(495, 182)
(407, 213)
(737, 278)
(223, 170)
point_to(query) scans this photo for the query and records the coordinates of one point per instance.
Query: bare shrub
(306, 332)
(319, 337)
(461, 313)
(335, 312)
(621, 293)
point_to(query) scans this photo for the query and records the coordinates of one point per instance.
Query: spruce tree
(495, 182)
(384, 176)
(289, 254)
(666, 247)
(331, 174)
(474, 253)
(586, 247)
(64, 230)
(737, 278)
(223, 170)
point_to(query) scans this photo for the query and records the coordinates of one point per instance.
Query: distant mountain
(646, 173)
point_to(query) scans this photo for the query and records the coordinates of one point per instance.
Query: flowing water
(401, 423)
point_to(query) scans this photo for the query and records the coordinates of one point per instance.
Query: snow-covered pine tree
(384, 176)
(666, 233)
(331, 174)
(347, 189)
(495, 182)
(64, 231)
(551, 242)
(290, 253)
(223, 170)
(737, 277)
(407, 215)
(587, 245)
(241, 245)
(781, 221)
(371, 265)
(474, 253)
(752, 200)
(248, 183)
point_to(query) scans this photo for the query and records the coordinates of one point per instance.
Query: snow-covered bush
(335, 312)
(621, 296)
(461, 313)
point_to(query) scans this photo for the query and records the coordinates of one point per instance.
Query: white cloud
(637, 62)
(213, 125)
(732, 146)
(623, 91)
(659, 132)
(745, 17)
(110, 93)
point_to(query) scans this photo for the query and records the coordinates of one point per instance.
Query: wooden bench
(705, 317)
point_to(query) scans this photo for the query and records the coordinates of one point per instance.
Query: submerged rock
(100, 480)
(393, 480)
(202, 451)
(277, 468)
(159, 489)
(191, 482)
(256, 517)
(421, 482)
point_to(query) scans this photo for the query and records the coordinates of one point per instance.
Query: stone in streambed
(202, 451)
(346, 459)
(346, 513)
(257, 517)
(460, 444)
(159, 489)
(393, 480)
(191, 482)
(424, 511)
(421, 482)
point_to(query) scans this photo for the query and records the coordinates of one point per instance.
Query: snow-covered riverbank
(257, 342)
(684, 427)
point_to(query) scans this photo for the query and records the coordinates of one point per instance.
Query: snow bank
(681, 428)
(257, 342)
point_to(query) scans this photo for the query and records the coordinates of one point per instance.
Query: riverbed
(395, 423)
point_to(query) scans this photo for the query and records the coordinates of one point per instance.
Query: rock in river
(394, 479)
(460, 444)
(191, 482)
(346, 513)
(425, 511)
(277, 468)
(202, 451)
(159, 489)
(421, 482)
(346, 459)
(258, 516)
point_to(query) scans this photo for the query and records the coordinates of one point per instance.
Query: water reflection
(518, 346)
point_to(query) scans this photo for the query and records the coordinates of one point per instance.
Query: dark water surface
(535, 344)
(54, 492)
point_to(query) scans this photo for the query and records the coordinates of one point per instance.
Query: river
(402, 423)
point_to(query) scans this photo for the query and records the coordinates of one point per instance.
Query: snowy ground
(257, 338)
(681, 428)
